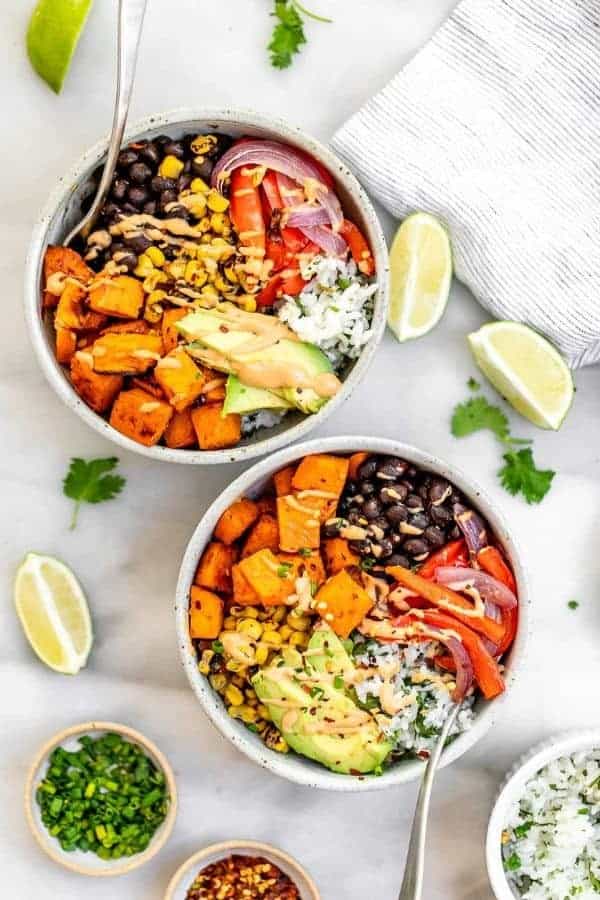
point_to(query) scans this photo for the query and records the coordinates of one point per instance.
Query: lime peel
(53, 33)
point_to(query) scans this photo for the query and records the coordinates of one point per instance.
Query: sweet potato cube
(206, 613)
(146, 383)
(321, 472)
(283, 481)
(180, 378)
(170, 335)
(306, 564)
(215, 431)
(66, 345)
(137, 326)
(140, 416)
(355, 462)
(121, 297)
(216, 393)
(98, 391)
(267, 505)
(243, 594)
(214, 568)
(338, 555)
(236, 520)
(264, 536)
(268, 577)
(72, 313)
(342, 603)
(180, 431)
(127, 354)
(299, 525)
(67, 261)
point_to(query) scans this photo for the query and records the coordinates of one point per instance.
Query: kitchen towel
(494, 127)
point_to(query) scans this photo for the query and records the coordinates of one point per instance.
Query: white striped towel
(495, 128)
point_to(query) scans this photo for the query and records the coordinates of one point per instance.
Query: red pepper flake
(242, 878)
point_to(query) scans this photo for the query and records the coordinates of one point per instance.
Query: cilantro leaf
(513, 862)
(477, 414)
(288, 35)
(473, 384)
(89, 482)
(520, 475)
(573, 604)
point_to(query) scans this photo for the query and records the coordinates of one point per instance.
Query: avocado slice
(334, 658)
(363, 750)
(242, 399)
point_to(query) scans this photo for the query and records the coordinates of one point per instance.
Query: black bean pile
(138, 187)
(401, 514)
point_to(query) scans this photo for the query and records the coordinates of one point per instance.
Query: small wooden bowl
(184, 877)
(77, 860)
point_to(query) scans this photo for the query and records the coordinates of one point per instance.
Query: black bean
(396, 514)
(161, 140)
(126, 158)
(355, 517)
(139, 243)
(381, 522)
(160, 184)
(202, 169)
(140, 172)
(178, 212)
(397, 559)
(382, 549)
(166, 198)
(111, 211)
(119, 189)
(125, 258)
(435, 536)
(363, 548)
(187, 167)
(150, 208)
(391, 468)
(419, 521)
(174, 148)
(332, 529)
(393, 493)
(414, 502)
(184, 181)
(397, 538)
(371, 508)
(423, 490)
(367, 488)
(129, 209)
(454, 533)
(416, 547)
(439, 490)
(367, 469)
(138, 195)
(351, 488)
(150, 153)
(439, 515)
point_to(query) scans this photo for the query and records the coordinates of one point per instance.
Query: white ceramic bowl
(62, 212)
(89, 863)
(291, 766)
(512, 789)
(185, 875)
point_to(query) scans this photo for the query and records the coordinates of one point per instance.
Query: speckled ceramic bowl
(512, 789)
(63, 210)
(89, 863)
(291, 766)
(185, 875)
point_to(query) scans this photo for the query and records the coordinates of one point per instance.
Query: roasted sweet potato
(140, 416)
(98, 391)
(299, 525)
(338, 555)
(243, 594)
(283, 481)
(180, 378)
(355, 462)
(215, 431)
(147, 383)
(214, 390)
(236, 520)
(66, 345)
(137, 326)
(342, 603)
(267, 505)
(127, 354)
(264, 536)
(305, 563)
(206, 613)
(121, 296)
(180, 431)
(214, 569)
(169, 333)
(271, 579)
(72, 313)
(67, 262)
(321, 472)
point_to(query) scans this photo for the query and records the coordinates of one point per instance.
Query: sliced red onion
(333, 244)
(491, 590)
(462, 661)
(280, 158)
(307, 216)
(473, 528)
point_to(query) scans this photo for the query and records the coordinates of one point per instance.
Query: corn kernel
(199, 186)
(232, 665)
(285, 631)
(261, 655)
(251, 612)
(170, 167)
(298, 623)
(151, 280)
(273, 638)
(247, 303)
(229, 623)
(263, 711)
(218, 681)
(152, 311)
(209, 294)
(248, 714)
(238, 680)
(176, 268)
(231, 274)
(216, 202)
(203, 225)
(234, 712)
(250, 627)
(203, 144)
(299, 639)
(233, 695)
(196, 205)
(237, 611)
(156, 255)
(221, 284)
(204, 664)
(279, 613)
(190, 269)
(144, 266)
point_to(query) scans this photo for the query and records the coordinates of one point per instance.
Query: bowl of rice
(543, 840)
(339, 311)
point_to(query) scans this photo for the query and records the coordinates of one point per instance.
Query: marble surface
(127, 552)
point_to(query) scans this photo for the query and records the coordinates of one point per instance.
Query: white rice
(334, 310)
(552, 837)
(265, 418)
(415, 728)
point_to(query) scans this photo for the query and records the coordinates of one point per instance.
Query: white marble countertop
(127, 552)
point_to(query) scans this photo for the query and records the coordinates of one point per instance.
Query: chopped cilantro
(572, 604)
(305, 551)
(521, 830)
(316, 691)
(367, 563)
(283, 569)
(217, 647)
(513, 862)
(338, 683)
(288, 35)
(473, 385)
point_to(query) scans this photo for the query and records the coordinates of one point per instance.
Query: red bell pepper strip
(443, 597)
(293, 238)
(289, 281)
(277, 253)
(491, 561)
(246, 209)
(453, 554)
(359, 248)
(270, 292)
(292, 282)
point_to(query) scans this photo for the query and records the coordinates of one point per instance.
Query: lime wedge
(526, 369)
(421, 272)
(52, 36)
(53, 612)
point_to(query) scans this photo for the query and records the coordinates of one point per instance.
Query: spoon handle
(412, 883)
(131, 19)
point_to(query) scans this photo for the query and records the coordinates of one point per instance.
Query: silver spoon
(131, 18)
(412, 883)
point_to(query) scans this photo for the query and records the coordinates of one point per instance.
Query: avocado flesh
(205, 328)
(362, 750)
(242, 399)
(334, 659)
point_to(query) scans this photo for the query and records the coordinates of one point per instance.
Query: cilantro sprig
(91, 482)
(288, 35)
(519, 475)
